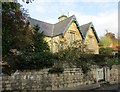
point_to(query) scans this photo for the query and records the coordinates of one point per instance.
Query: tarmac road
(108, 87)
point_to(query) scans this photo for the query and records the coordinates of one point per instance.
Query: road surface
(108, 87)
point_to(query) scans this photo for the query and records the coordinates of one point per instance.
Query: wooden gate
(100, 74)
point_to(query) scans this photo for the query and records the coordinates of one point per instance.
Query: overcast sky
(103, 13)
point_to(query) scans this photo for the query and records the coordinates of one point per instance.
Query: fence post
(107, 74)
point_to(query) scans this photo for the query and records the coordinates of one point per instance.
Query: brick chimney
(62, 17)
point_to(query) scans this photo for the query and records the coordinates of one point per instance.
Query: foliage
(107, 51)
(109, 62)
(105, 41)
(40, 45)
(75, 55)
(35, 56)
(109, 39)
(80, 57)
(28, 1)
(69, 53)
(15, 29)
(86, 60)
(31, 50)
(23, 48)
(33, 61)
(119, 52)
(16, 34)
(56, 70)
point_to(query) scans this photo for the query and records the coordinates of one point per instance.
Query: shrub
(107, 51)
(56, 70)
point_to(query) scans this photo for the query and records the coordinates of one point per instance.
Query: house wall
(91, 42)
(48, 40)
(73, 28)
(53, 43)
(62, 41)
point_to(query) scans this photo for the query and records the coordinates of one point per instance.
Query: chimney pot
(62, 17)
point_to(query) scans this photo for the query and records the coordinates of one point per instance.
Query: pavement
(109, 87)
(96, 86)
(83, 87)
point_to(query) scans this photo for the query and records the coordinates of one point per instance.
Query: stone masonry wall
(114, 74)
(42, 80)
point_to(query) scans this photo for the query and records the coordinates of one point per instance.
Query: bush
(84, 61)
(56, 70)
(106, 51)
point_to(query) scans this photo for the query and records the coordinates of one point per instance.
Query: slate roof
(59, 28)
(46, 28)
(53, 29)
(85, 29)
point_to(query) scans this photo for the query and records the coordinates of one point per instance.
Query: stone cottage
(66, 31)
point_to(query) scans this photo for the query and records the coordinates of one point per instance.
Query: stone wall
(114, 74)
(42, 80)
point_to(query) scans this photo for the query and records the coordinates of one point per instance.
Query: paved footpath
(83, 87)
(97, 86)
(109, 87)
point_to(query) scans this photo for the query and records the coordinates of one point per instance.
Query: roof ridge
(86, 23)
(64, 19)
(40, 20)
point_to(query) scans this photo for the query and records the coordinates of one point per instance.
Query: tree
(27, 1)
(107, 51)
(16, 34)
(15, 29)
(108, 40)
(37, 55)
(40, 45)
(105, 41)
(73, 56)
(23, 48)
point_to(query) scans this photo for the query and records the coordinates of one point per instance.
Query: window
(91, 41)
(72, 37)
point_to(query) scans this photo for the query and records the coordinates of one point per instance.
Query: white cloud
(53, 21)
(66, 1)
(101, 22)
(39, 10)
(77, 1)
(97, 0)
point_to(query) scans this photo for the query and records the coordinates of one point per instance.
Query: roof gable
(60, 27)
(85, 28)
(55, 29)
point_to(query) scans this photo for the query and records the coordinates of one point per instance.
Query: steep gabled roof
(60, 27)
(55, 29)
(46, 28)
(85, 28)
